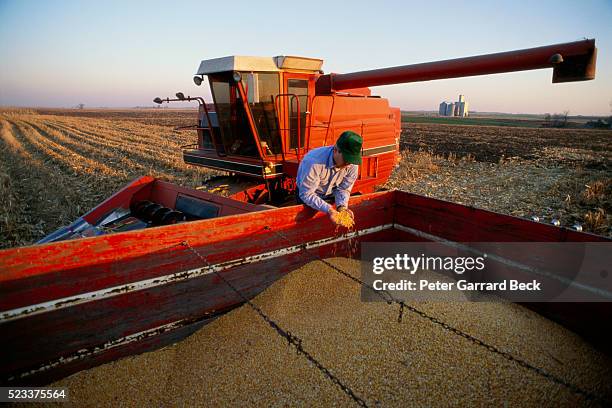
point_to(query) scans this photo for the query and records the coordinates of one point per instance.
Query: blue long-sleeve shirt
(317, 177)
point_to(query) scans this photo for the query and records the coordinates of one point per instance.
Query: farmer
(328, 173)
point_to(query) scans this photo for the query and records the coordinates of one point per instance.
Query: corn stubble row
(239, 360)
(55, 168)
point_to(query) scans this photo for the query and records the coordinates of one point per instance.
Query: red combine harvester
(269, 112)
(125, 288)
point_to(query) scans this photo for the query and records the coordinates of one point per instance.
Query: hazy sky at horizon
(122, 54)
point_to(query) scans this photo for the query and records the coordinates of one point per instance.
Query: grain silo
(450, 109)
(463, 109)
(442, 110)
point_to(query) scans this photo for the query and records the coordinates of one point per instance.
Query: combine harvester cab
(267, 114)
(71, 305)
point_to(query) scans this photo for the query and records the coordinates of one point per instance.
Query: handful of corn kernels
(345, 219)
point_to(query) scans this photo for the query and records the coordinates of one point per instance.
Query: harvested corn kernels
(344, 218)
(240, 360)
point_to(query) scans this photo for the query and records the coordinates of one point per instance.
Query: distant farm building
(459, 108)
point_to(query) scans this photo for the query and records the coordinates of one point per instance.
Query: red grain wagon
(70, 305)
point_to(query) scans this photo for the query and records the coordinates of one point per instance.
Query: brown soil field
(56, 164)
(584, 147)
(563, 174)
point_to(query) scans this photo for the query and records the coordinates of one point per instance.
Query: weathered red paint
(138, 187)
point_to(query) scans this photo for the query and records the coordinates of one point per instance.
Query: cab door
(297, 92)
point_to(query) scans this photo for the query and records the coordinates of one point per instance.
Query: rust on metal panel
(79, 329)
(98, 349)
(46, 377)
(134, 261)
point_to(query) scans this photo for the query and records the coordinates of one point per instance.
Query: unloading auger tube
(573, 61)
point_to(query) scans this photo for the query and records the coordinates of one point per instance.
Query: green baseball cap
(349, 144)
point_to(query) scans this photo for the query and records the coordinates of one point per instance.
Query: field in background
(495, 119)
(54, 168)
(55, 165)
(563, 174)
(472, 121)
(162, 116)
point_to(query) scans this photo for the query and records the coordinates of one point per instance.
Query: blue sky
(122, 54)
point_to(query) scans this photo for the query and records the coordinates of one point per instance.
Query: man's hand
(333, 215)
(341, 208)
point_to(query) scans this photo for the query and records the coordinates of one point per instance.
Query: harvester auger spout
(574, 61)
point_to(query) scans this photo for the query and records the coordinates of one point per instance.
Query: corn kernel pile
(238, 360)
(345, 219)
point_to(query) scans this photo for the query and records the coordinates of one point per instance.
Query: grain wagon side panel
(419, 218)
(460, 223)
